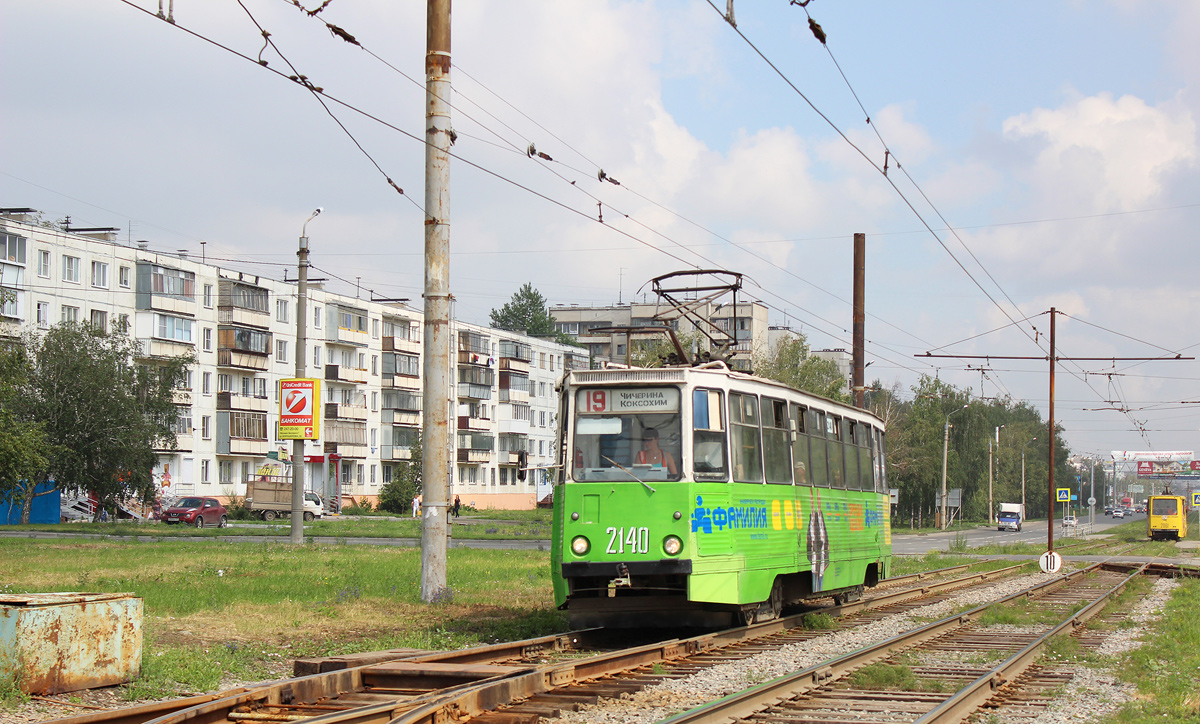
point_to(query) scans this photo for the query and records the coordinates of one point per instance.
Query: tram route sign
(1195, 500)
(1050, 562)
(1064, 495)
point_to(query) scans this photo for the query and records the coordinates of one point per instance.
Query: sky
(1039, 155)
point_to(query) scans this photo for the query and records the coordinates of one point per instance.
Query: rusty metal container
(56, 642)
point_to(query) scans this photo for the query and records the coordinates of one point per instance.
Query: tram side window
(800, 445)
(849, 433)
(708, 435)
(819, 469)
(747, 445)
(777, 454)
(865, 465)
(833, 441)
(881, 480)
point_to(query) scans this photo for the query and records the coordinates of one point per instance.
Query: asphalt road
(1033, 531)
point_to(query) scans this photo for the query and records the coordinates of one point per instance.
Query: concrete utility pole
(435, 431)
(297, 529)
(860, 316)
(945, 458)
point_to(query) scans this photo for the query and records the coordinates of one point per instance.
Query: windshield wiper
(629, 473)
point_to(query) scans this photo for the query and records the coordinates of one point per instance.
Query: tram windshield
(627, 433)
(1164, 506)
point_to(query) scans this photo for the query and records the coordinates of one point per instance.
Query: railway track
(516, 683)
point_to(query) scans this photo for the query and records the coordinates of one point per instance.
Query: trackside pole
(435, 432)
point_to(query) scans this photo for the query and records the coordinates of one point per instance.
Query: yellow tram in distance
(1166, 517)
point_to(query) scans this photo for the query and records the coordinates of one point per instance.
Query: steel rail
(336, 676)
(747, 703)
(974, 695)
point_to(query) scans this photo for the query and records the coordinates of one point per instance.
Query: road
(1031, 532)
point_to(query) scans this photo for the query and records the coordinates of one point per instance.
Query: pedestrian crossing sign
(1195, 499)
(1064, 495)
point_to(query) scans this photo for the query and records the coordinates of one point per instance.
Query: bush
(237, 509)
(363, 508)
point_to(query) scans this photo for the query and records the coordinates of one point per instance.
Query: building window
(375, 329)
(43, 315)
(208, 339)
(206, 427)
(281, 310)
(70, 269)
(245, 471)
(206, 383)
(225, 471)
(122, 323)
(374, 402)
(174, 283)
(12, 248)
(317, 317)
(99, 319)
(374, 438)
(375, 364)
(207, 293)
(387, 473)
(123, 277)
(100, 274)
(44, 264)
(70, 314)
(317, 356)
(204, 474)
(173, 328)
(372, 473)
(281, 346)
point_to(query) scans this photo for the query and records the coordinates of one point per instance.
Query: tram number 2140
(628, 540)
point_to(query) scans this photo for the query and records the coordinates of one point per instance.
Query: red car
(196, 511)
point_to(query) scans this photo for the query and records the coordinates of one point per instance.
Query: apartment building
(745, 324)
(241, 328)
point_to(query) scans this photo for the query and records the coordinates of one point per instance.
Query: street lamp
(992, 505)
(945, 456)
(1025, 513)
(297, 527)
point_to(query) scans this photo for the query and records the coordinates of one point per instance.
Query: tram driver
(651, 454)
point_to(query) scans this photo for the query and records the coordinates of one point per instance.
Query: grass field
(221, 611)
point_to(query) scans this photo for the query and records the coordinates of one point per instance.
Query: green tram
(701, 496)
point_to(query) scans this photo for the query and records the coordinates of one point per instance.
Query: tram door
(710, 470)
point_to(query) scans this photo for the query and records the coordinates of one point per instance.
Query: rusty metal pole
(1050, 438)
(860, 316)
(435, 468)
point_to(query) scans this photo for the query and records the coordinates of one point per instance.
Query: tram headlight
(580, 545)
(672, 545)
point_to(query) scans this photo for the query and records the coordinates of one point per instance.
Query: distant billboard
(1173, 469)
(1162, 456)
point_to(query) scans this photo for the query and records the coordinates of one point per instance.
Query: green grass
(520, 525)
(246, 610)
(890, 677)
(1165, 668)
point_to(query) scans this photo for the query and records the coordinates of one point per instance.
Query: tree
(101, 411)
(525, 313)
(791, 364)
(395, 496)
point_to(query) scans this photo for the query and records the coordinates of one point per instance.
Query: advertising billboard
(300, 409)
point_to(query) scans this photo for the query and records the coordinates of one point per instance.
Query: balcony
(477, 359)
(346, 450)
(154, 347)
(341, 411)
(342, 335)
(245, 403)
(239, 315)
(181, 396)
(474, 392)
(395, 452)
(185, 442)
(512, 364)
(474, 456)
(481, 424)
(350, 375)
(400, 417)
(241, 360)
(245, 446)
(410, 344)
(514, 396)
(506, 457)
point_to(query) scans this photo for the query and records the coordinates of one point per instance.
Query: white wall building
(242, 329)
